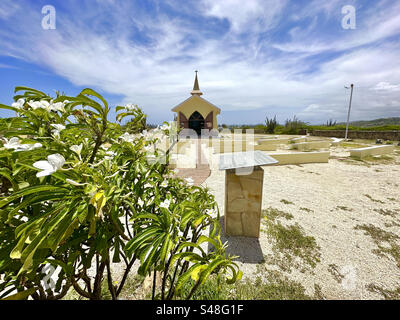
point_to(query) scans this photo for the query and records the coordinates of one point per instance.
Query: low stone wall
(273, 141)
(265, 147)
(303, 146)
(369, 151)
(300, 157)
(227, 145)
(371, 135)
(299, 139)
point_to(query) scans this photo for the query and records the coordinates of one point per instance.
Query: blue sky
(256, 58)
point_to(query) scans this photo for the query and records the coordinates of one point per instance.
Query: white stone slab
(245, 160)
(369, 151)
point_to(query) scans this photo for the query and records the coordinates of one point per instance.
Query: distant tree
(292, 126)
(330, 123)
(270, 125)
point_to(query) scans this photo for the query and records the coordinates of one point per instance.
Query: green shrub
(270, 125)
(79, 192)
(293, 126)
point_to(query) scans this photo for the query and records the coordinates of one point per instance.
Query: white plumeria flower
(130, 107)
(164, 127)
(19, 104)
(140, 202)
(14, 143)
(110, 155)
(190, 181)
(127, 137)
(30, 147)
(43, 104)
(144, 133)
(35, 104)
(164, 184)
(58, 127)
(210, 212)
(77, 149)
(148, 148)
(58, 106)
(165, 204)
(54, 162)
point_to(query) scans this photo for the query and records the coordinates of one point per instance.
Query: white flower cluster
(48, 106)
(130, 107)
(19, 104)
(144, 133)
(15, 144)
(165, 204)
(127, 137)
(109, 155)
(189, 181)
(57, 129)
(164, 127)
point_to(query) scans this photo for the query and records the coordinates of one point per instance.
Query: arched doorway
(196, 122)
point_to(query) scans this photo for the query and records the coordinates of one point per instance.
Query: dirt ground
(350, 208)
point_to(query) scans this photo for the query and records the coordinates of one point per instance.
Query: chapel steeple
(196, 87)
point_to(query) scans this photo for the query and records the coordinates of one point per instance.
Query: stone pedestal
(243, 199)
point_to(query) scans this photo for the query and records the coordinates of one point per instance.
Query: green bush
(270, 125)
(293, 126)
(79, 192)
(354, 128)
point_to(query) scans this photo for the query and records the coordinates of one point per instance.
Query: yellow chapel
(196, 112)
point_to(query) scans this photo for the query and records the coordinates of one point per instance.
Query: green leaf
(141, 239)
(185, 277)
(21, 88)
(3, 106)
(30, 190)
(91, 92)
(23, 295)
(150, 255)
(210, 268)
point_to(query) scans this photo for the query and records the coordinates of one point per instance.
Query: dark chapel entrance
(196, 122)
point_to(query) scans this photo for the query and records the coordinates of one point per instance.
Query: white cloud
(8, 8)
(373, 25)
(386, 86)
(234, 74)
(246, 15)
(312, 108)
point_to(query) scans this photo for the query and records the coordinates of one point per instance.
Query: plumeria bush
(78, 194)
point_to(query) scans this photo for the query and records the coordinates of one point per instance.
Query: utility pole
(348, 114)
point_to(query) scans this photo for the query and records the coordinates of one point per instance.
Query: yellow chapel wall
(197, 104)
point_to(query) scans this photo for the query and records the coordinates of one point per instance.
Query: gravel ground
(335, 198)
(328, 201)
